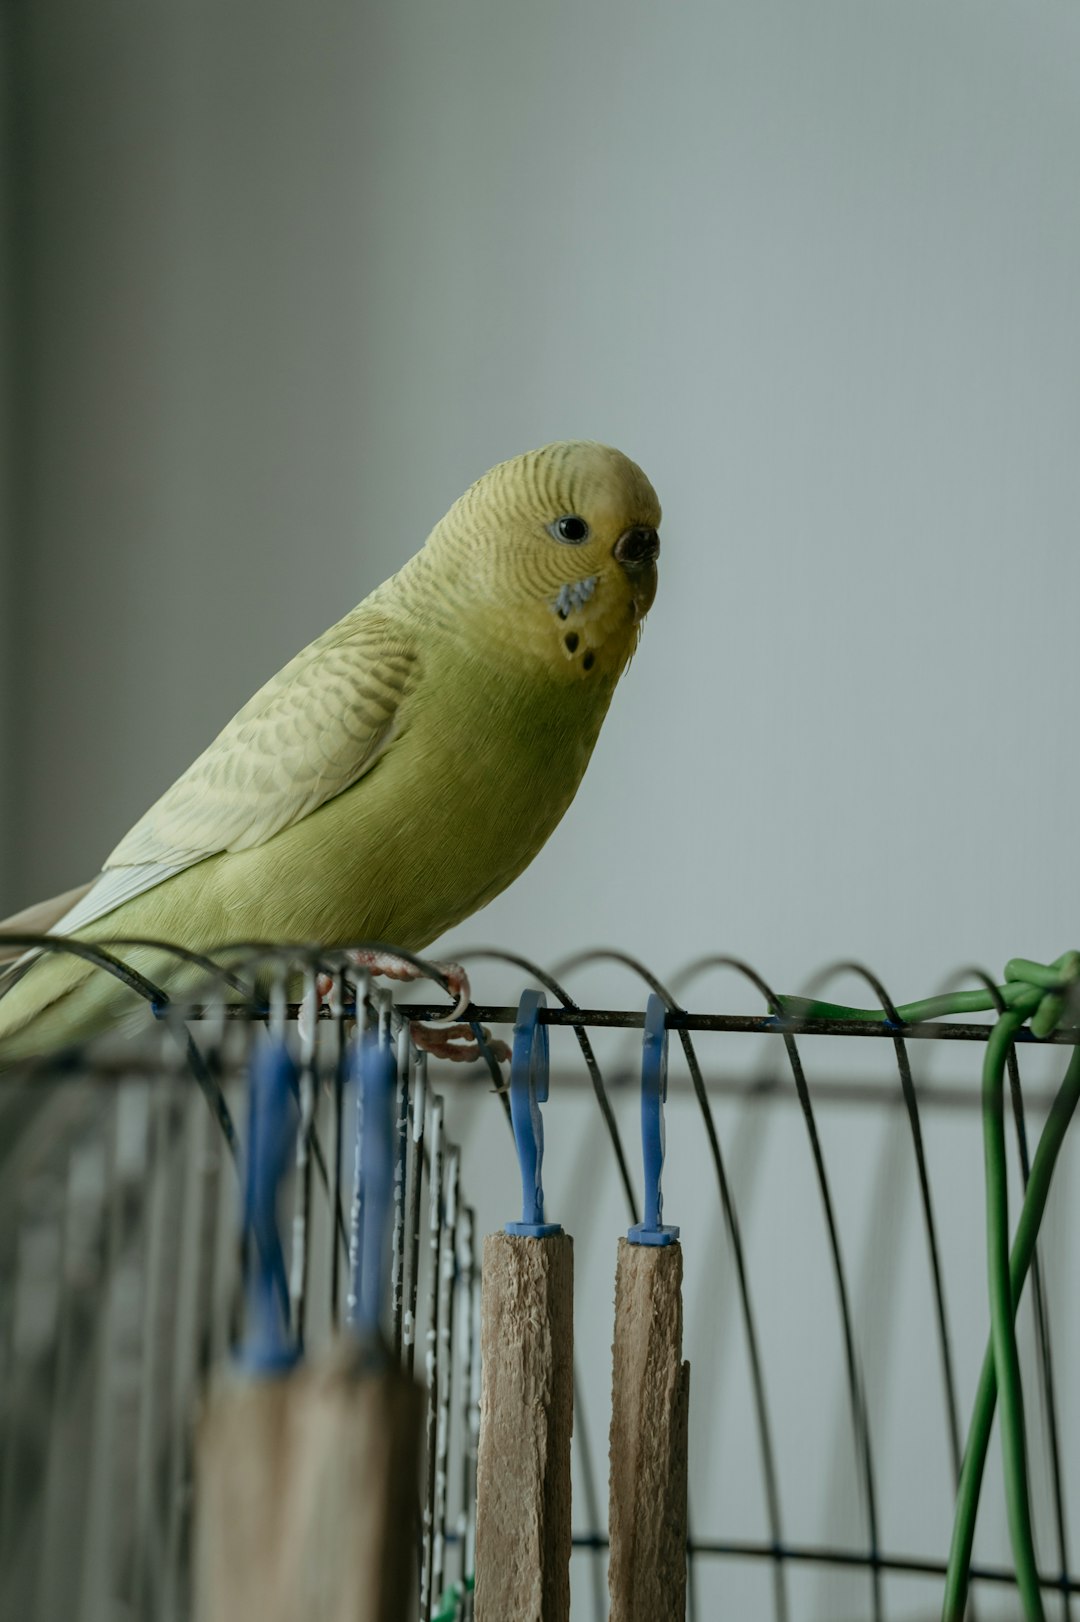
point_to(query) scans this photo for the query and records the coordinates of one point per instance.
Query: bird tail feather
(38, 919)
(56, 999)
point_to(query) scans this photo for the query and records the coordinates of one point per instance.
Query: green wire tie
(1041, 993)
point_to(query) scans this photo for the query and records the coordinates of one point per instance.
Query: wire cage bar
(122, 1277)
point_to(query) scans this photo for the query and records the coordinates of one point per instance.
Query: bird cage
(210, 1212)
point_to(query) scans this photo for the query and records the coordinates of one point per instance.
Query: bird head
(555, 551)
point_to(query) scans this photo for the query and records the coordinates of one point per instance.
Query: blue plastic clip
(654, 1052)
(375, 1066)
(529, 1080)
(268, 1346)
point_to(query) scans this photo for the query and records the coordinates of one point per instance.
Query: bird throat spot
(571, 642)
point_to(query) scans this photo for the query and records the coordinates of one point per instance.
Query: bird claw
(399, 968)
(307, 1017)
(455, 1041)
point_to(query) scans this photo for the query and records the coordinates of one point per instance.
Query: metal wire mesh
(121, 1271)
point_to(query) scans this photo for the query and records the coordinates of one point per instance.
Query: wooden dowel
(649, 1411)
(306, 1492)
(526, 1417)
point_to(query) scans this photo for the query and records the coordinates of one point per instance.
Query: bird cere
(398, 773)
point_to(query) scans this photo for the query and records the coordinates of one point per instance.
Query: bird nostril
(637, 546)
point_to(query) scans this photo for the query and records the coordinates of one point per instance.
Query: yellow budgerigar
(399, 772)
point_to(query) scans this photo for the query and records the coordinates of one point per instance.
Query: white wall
(295, 275)
(816, 267)
(295, 283)
(193, 510)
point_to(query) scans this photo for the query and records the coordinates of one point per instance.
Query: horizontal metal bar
(901, 1564)
(886, 1093)
(938, 1095)
(633, 1019)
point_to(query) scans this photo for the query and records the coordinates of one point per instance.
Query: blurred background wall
(188, 288)
(287, 278)
(7, 604)
(280, 280)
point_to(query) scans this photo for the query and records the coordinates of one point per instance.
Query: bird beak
(637, 548)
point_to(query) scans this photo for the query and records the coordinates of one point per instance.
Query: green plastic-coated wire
(982, 1417)
(1014, 994)
(1002, 1328)
(912, 1013)
(1040, 992)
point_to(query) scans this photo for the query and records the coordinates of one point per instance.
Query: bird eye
(571, 529)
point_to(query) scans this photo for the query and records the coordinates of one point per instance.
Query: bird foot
(455, 1041)
(393, 967)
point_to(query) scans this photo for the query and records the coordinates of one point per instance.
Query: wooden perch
(526, 1417)
(306, 1496)
(649, 1411)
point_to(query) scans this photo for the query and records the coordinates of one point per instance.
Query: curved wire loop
(974, 1460)
(857, 1398)
(731, 1222)
(907, 1088)
(101, 958)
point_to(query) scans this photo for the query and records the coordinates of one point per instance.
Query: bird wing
(309, 734)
